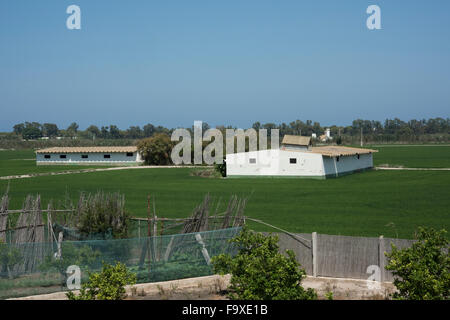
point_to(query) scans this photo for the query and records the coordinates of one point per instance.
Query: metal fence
(341, 256)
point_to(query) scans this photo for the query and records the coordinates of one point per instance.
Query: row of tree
(35, 130)
(391, 129)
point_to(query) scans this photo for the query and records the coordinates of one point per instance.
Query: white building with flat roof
(127, 155)
(300, 160)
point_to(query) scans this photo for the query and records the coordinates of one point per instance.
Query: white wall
(93, 158)
(347, 164)
(274, 163)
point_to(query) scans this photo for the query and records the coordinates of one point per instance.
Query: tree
(149, 130)
(134, 132)
(260, 272)
(18, 128)
(72, 130)
(107, 285)
(31, 133)
(50, 130)
(114, 132)
(156, 150)
(422, 272)
(104, 133)
(93, 131)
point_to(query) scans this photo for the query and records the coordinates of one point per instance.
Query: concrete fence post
(381, 258)
(314, 253)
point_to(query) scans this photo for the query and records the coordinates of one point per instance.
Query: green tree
(107, 285)
(260, 272)
(18, 128)
(149, 130)
(72, 130)
(422, 272)
(114, 132)
(31, 133)
(50, 130)
(156, 150)
(93, 131)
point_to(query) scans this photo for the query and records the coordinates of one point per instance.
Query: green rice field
(21, 162)
(373, 203)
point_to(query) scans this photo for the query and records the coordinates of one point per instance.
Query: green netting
(72, 234)
(37, 268)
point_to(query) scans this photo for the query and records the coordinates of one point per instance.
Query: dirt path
(32, 175)
(412, 169)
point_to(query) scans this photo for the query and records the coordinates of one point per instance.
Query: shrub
(260, 272)
(422, 272)
(221, 168)
(156, 150)
(106, 285)
(103, 214)
(9, 257)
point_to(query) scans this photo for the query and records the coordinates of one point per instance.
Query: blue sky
(224, 62)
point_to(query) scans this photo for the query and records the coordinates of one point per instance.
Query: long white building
(127, 155)
(297, 158)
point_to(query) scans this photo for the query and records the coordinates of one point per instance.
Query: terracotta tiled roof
(337, 151)
(88, 149)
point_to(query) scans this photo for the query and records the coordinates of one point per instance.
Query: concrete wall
(274, 163)
(308, 164)
(93, 158)
(347, 164)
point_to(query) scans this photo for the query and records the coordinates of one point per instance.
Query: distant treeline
(34, 134)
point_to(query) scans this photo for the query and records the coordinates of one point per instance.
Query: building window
(84, 156)
(129, 154)
(47, 156)
(252, 160)
(293, 160)
(62, 156)
(107, 156)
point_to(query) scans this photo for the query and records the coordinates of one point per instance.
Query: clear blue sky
(222, 61)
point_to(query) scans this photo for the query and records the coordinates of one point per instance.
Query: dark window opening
(106, 156)
(129, 154)
(62, 156)
(252, 160)
(293, 160)
(84, 156)
(47, 156)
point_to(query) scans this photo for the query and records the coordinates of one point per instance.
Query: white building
(297, 158)
(327, 136)
(89, 155)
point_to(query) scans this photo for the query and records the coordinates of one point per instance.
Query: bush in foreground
(422, 272)
(260, 272)
(107, 285)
